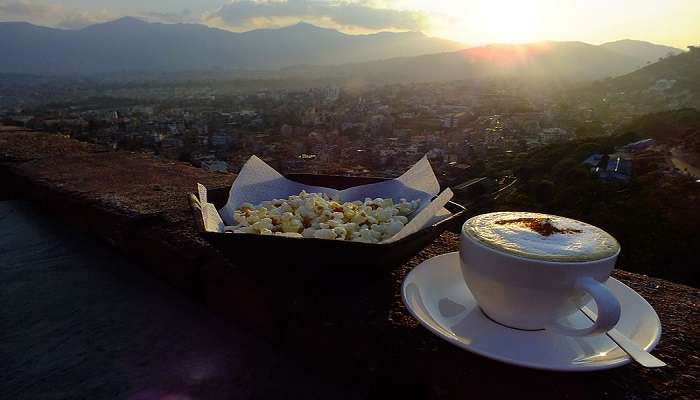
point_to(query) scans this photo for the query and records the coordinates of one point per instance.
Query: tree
(544, 191)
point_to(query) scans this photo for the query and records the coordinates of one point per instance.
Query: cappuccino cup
(530, 271)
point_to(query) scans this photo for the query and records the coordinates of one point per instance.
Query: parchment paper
(258, 182)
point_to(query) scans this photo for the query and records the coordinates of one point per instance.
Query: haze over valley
(303, 51)
(130, 44)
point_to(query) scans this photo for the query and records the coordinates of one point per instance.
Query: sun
(511, 21)
(504, 21)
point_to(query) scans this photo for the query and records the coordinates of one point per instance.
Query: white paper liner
(258, 182)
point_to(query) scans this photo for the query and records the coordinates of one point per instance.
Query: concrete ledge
(138, 204)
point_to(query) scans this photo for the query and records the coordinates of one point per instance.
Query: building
(613, 167)
(593, 160)
(210, 163)
(220, 140)
(637, 146)
(617, 169)
(551, 135)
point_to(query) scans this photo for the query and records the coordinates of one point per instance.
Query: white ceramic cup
(533, 294)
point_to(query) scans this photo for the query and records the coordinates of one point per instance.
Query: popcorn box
(258, 182)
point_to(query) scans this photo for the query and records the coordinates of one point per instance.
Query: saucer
(435, 293)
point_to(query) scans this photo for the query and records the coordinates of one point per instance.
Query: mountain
(645, 52)
(129, 44)
(563, 61)
(302, 51)
(669, 84)
(683, 69)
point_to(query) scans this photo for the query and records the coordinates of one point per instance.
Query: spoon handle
(632, 348)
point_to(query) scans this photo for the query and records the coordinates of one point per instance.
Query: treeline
(673, 128)
(683, 68)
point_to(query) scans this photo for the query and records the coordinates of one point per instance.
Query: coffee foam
(542, 236)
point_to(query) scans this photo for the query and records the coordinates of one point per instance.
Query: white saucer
(435, 293)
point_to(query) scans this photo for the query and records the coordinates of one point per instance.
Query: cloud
(184, 16)
(77, 21)
(24, 9)
(41, 13)
(351, 15)
(165, 17)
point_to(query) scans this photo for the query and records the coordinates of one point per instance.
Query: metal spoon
(632, 348)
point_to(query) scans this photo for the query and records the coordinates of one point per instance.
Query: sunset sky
(671, 22)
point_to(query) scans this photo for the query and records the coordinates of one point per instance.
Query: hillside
(669, 84)
(129, 44)
(645, 52)
(677, 128)
(651, 216)
(683, 68)
(302, 51)
(566, 61)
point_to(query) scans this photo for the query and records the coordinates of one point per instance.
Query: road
(682, 165)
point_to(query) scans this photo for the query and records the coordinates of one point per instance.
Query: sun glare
(503, 21)
(510, 21)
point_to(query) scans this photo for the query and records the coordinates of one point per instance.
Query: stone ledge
(138, 203)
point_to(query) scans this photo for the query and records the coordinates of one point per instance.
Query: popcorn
(316, 215)
(325, 234)
(340, 232)
(290, 223)
(288, 234)
(308, 232)
(393, 227)
(407, 207)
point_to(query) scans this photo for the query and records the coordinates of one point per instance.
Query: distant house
(639, 145)
(617, 169)
(593, 160)
(214, 165)
(550, 135)
(220, 140)
(613, 167)
(663, 84)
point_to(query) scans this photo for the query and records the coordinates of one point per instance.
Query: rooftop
(138, 205)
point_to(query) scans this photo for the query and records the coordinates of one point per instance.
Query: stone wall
(139, 204)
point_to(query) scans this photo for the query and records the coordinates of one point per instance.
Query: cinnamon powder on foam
(543, 226)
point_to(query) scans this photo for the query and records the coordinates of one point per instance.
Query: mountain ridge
(670, 83)
(303, 51)
(647, 51)
(129, 43)
(553, 60)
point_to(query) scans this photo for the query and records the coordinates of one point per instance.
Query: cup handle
(608, 310)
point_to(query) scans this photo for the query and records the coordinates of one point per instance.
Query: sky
(472, 22)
